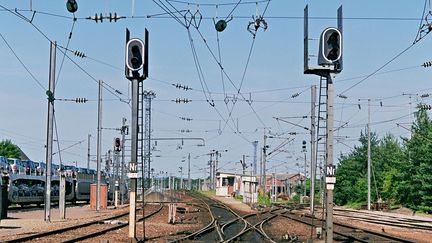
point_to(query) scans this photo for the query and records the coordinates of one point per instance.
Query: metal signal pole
(133, 163)
(189, 177)
(88, 151)
(264, 179)
(329, 157)
(369, 159)
(50, 123)
(136, 59)
(123, 133)
(313, 149)
(99, 146)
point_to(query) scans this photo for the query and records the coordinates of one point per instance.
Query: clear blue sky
(374, 33)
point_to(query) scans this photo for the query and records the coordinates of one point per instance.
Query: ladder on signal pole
(321, 148)
(141, 146)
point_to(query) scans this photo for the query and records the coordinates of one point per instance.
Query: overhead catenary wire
(191, 41)
(417, 40)
(62, 51)
(64, 54)
(377, 70)
(22, 63)
(155, 16)
(219, 4)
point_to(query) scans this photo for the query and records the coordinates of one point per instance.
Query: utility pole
(305, 171)
(181, 177)
(313, 150)
(255, 145)
(211, 171)
(88, 151)
(99, 146)
(261, 169)
(189, 177)
(244, 165)
(215, 169)
(50, 123)
(123, 133)
(264, 162)
(305, 166)
(369, 162)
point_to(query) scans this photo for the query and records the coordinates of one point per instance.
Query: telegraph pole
(88, 151)
(255, 144)
(189, 177)
(313, 149)
(369, 162)
(244, 165)
(264, 180)
(261, 164)
(211, 171)
(181, 177)
(215, 169)
(99, 146)
(305, 171)
(50, 123)
(123, 133)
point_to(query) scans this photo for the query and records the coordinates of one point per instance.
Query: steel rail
(388, 222)
(265, 221)
(101, 232)
(57, 231)
(349, 236)
(210, 226)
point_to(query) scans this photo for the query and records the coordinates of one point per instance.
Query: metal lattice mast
(148, 96)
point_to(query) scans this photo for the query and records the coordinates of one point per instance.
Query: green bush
(354, 205)
(264, 199)
(295, 199)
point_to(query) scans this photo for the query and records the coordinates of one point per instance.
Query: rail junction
(202, 218)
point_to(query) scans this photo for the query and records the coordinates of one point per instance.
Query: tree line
(401, 169)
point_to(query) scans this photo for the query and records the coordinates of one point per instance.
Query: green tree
(387, 166)
(351, 173)
(417, 169)
(9, 150)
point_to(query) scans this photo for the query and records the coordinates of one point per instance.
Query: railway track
(85, 231)
(228, 226)
(385, 220)
(31, 207)
(344, 232)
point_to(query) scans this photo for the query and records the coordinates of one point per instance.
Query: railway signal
(117, 144)
(330, 47)
(136, 59)
(135, 54)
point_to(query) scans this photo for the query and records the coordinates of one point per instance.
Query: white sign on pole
(133, 175)
(330, 186)
(330, 180)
